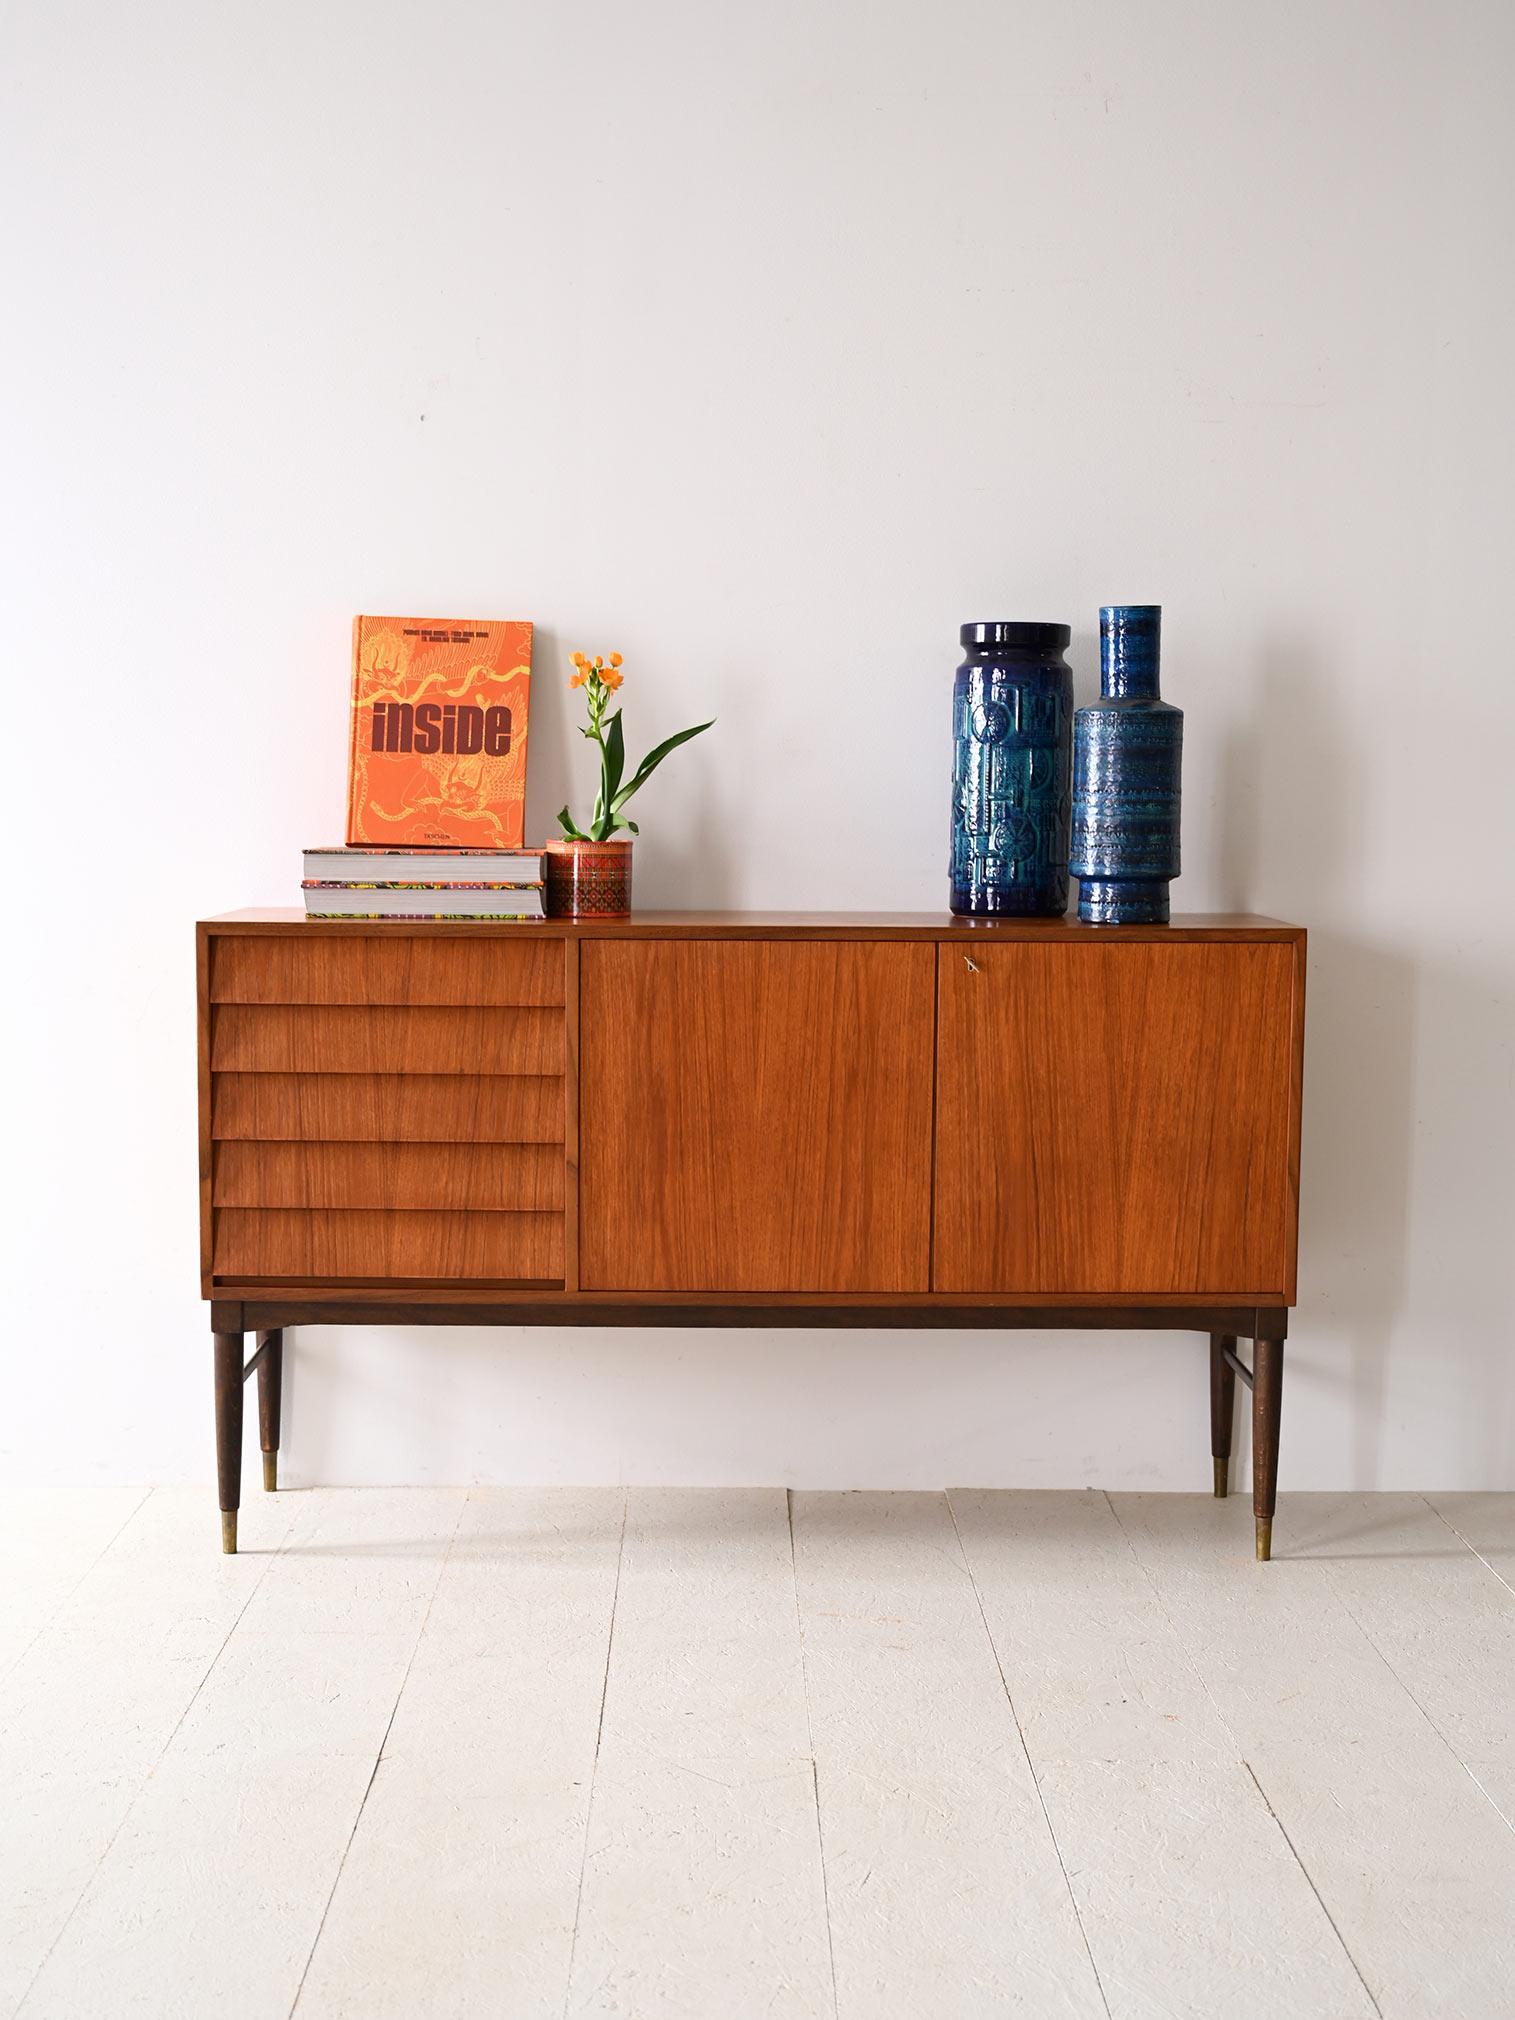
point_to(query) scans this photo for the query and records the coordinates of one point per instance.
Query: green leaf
(654, 758)
(614, 762)
(569, 826)
(618, 821)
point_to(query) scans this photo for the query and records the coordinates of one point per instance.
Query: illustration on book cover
(438, 747)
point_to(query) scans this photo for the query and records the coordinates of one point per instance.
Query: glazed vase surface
(1127, 773)
(588, 880)
(1012, 720)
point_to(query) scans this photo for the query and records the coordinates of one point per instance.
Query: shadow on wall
(1295, 801)
(557, 768)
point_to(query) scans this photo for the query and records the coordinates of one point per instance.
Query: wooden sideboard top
(774, 925)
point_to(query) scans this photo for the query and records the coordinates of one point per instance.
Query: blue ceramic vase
(1012, 720)
(1127, 757)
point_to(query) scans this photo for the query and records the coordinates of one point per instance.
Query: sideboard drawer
(455, 1177)
(367, 968)
(305, 1038)
(505, 1248)
(1117, 1118)
(387, 1107)
(384, 1108)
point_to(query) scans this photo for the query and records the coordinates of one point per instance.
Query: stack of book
(424, 884)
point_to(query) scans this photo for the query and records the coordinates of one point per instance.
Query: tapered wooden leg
(270, 1386)
(1267, 1405)
(1222, 1409)
(228, 1349)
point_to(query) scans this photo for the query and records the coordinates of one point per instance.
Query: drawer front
(387, 1107)
(306, 1038)
(405, 970)
(456, 1177)
(384, 1108)
(1117, 1118)
(505, 1248)
(366, 969)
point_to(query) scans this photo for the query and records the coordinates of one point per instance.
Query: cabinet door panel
(1116, 1118)
(755, 1115)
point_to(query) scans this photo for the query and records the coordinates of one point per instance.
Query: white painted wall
(766, 345)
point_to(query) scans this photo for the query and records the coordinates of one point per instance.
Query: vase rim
(1017, 631)
(588, 842)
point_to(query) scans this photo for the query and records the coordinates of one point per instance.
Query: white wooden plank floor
(573, 1752)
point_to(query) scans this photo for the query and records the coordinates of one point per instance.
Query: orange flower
(578, 659)
(598, 662)
(578, 679)
(612, 679)
(615, 659)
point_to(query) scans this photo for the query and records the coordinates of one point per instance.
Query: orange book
(438, 747)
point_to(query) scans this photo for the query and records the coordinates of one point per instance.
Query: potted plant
(589, 869)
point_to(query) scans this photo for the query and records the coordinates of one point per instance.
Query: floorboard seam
(599, 1734)
(1036, 1783)
(379, 1756)
(815, 1770)
(1227, 1728)
(1310, 1883)
(1493, 1569)
(1346, 1608)
(1180, 1642)
(126, 1814)
(109, 1544)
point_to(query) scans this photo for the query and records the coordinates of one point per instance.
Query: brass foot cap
(229, 1531)
(1264, 1538)
(270, 1472)
(1222, 1478)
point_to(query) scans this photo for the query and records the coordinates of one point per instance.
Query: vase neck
(1130, 645)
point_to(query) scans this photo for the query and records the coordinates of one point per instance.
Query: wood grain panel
(1115, 1118)
(387, 1107)
(434, 1247)
(301, 1038)
(490, 1178)
(387, 969)
(755, 1116)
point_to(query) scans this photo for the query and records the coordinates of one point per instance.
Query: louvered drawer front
(307, 1038)
(456, 1177)
(392, 970)
(412, 1247)
(386, 1109)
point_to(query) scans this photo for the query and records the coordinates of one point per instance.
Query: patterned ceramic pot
(588, 880)
(1012, 717)
(1127, 764)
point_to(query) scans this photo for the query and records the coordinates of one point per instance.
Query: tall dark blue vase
(1012, 721)
(1127, 758)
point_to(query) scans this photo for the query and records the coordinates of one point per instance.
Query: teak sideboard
(708, 1119)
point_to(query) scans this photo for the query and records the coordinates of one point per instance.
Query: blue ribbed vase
(1127, 760)
(1012, 725)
